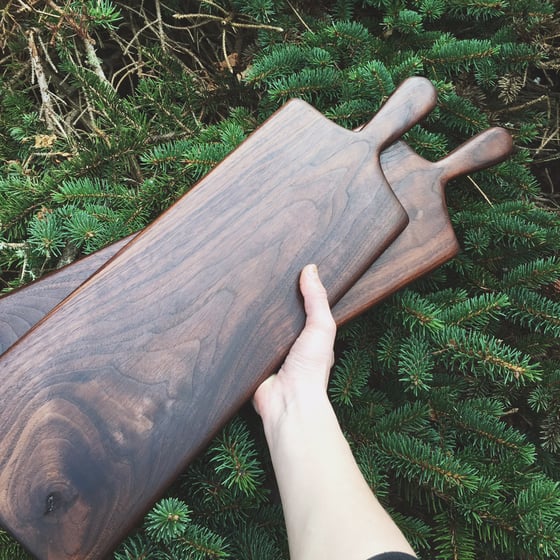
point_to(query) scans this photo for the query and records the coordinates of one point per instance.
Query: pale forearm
(330, 511)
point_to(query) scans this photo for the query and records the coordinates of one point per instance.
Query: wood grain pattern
(107, 399)
(24, 307)
(427, 242)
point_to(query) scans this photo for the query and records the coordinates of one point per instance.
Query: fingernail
(312, 271)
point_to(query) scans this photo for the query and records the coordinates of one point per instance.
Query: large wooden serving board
(110, 395)
(427, 242)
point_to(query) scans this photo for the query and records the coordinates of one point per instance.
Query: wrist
(299, 415)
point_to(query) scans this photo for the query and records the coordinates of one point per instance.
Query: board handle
(409, 104)
(481, 151)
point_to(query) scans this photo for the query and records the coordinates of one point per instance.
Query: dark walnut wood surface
(111, 394)
(427, 242)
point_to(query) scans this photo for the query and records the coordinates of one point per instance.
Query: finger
(313, 349)
(316, 303)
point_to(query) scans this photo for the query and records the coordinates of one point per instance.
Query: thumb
(313, 349)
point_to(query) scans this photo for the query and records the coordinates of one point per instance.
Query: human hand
(303, 377)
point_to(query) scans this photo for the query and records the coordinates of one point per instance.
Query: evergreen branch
(164, 153)
(410, 65)
(10, 549)
(235, 457)
(137, 547)
(459, 113)
(86, 189)
(97, 157)
(540, 493)
(417, 461)
(81, 228)
(541, 537)
(453, 539)
(518, 232)
(255, 543)
(431, 145)
(305, 84)
(275, 62)
(432, 10)
(350, 33)
(373, 80)
(550, 429)
(535, 274)
(541, 398)
(116, 110)
(20, 214)
(516, 57)
(352, 113)
(408, 418)
(416, 531)
(475, 312)
(202, 158)
(458, 55)
(485, 432)
(404, 21)
(415, 310)
(535, 311)
(492, 522)
(415, 364)
(199, 543)
(45, 235)
(167, 520)
(449, 297)
(477, 9)
(349, 377)
(515, 177)
(387, 349)
(516, 222)
(476, 273)
(152, 91)
(370, 469)
(539, 510)
(481, 353)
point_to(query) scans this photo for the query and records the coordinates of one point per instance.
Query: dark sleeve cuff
(393, 556)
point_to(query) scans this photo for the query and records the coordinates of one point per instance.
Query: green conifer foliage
(448, 392)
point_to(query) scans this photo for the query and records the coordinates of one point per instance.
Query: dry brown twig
(51, 118)
(228, 23)
(159, 21)
(132, 47)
